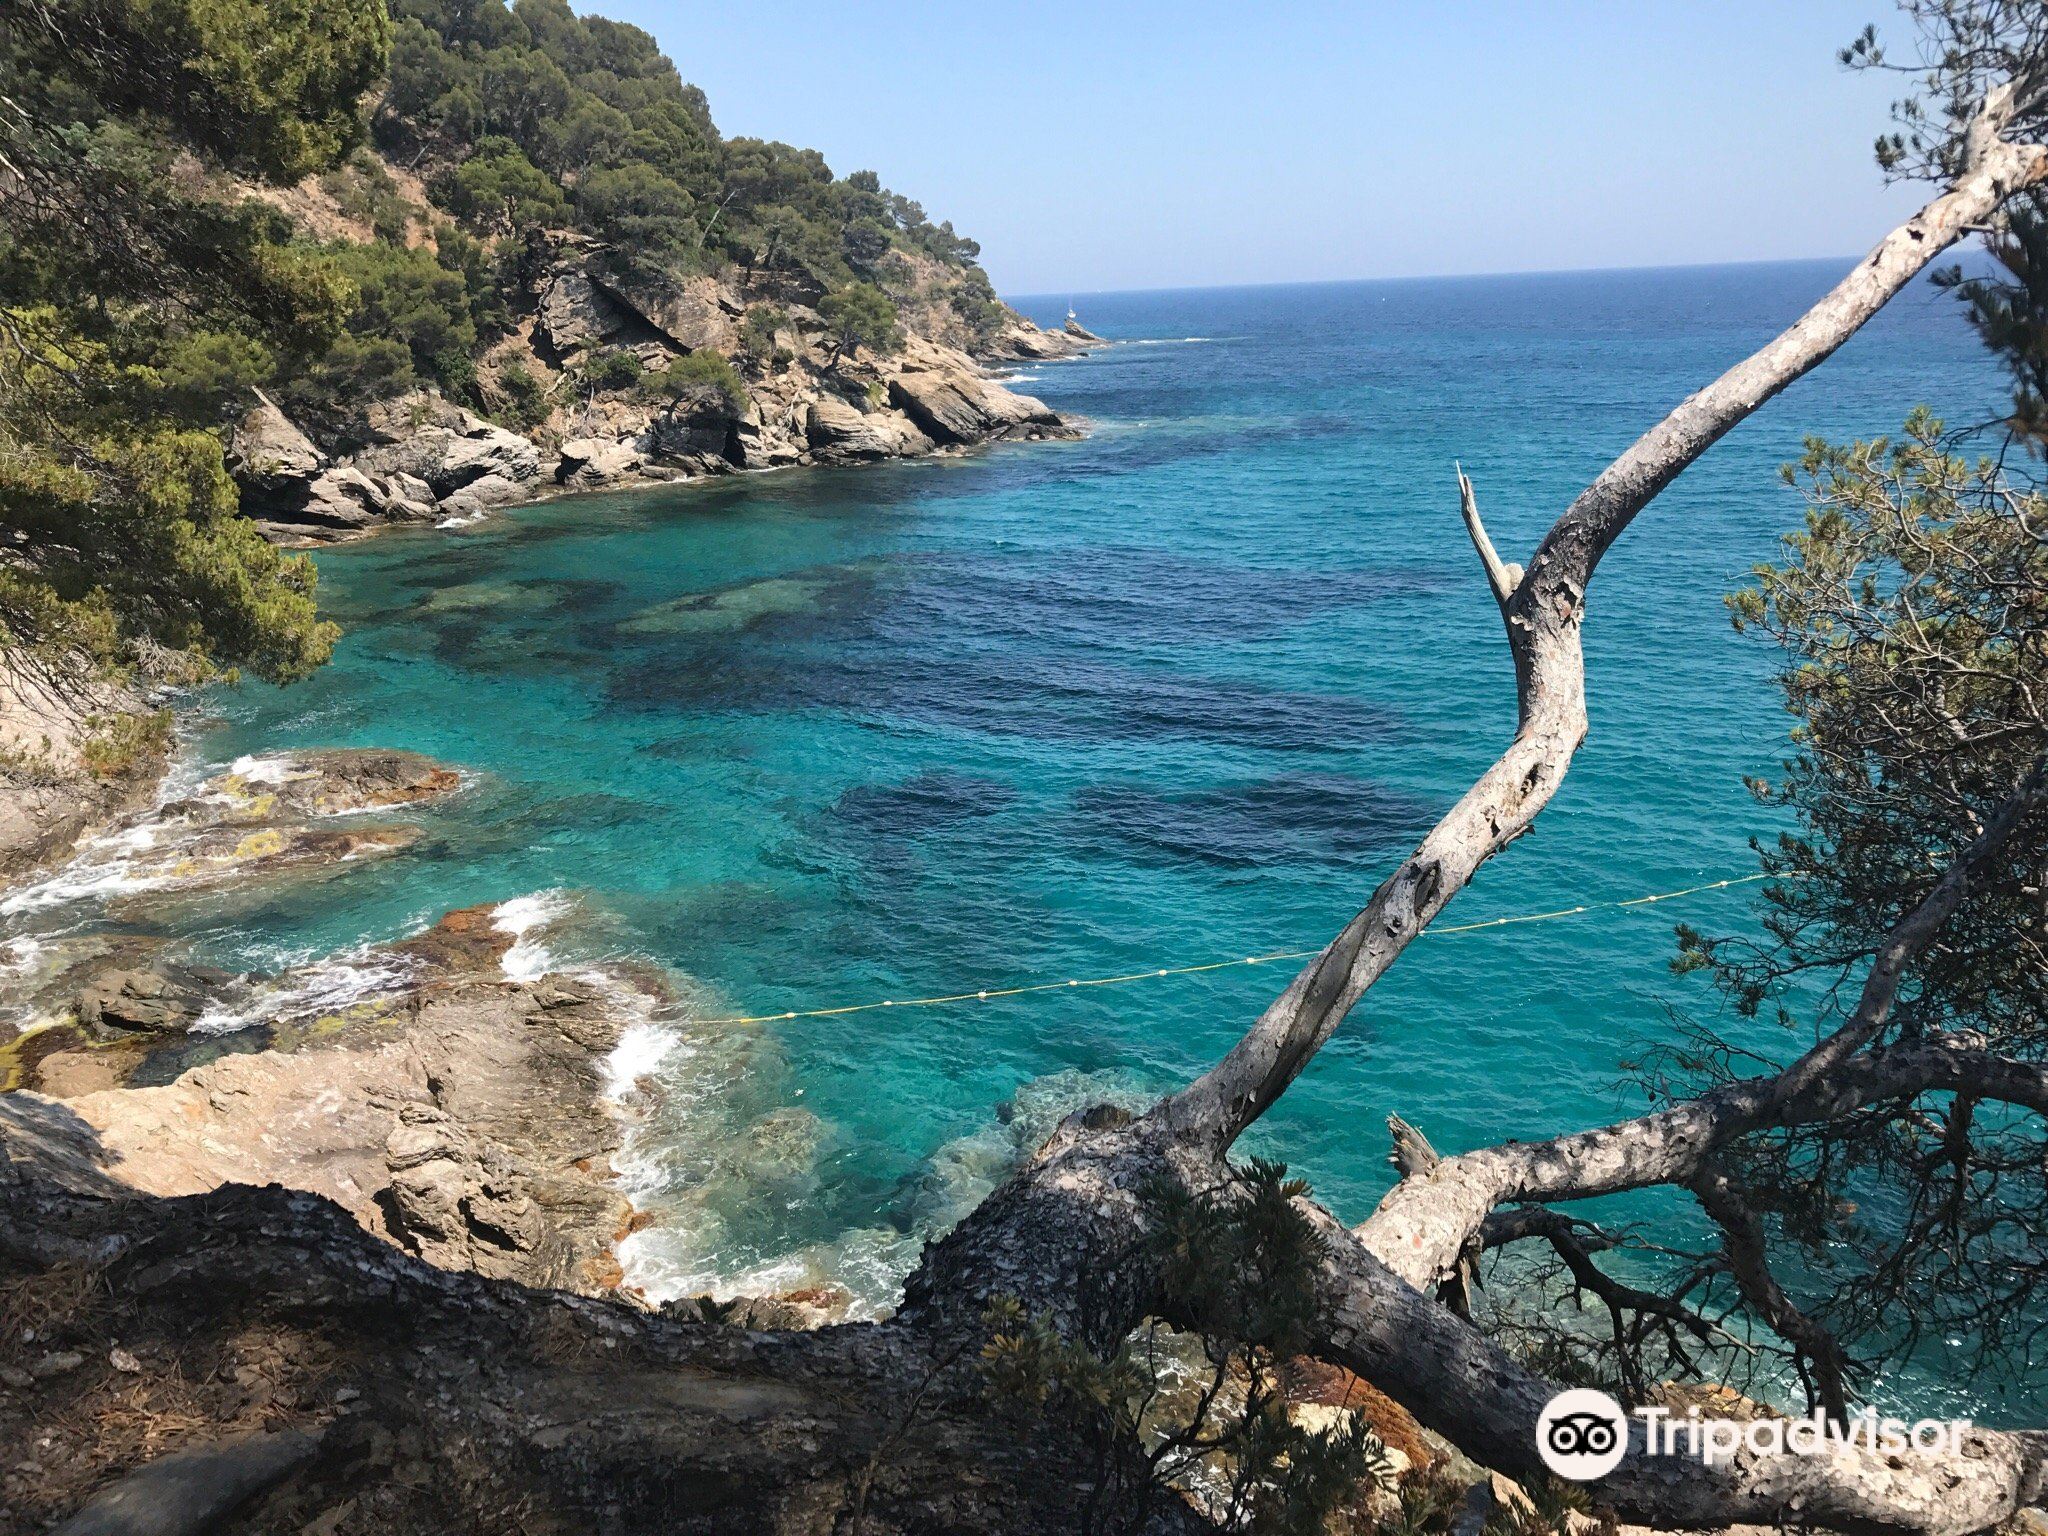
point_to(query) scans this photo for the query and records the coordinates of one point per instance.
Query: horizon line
(1440, 277)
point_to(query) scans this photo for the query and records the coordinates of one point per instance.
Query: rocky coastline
(459, 1108)
(465, 1112)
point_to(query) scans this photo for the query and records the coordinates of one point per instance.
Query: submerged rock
(729, 609)
(329, 781)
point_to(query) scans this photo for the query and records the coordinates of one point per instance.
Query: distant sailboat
(1074, 326)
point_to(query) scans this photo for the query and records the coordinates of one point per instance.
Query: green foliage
(639, 207)
(129, 525)
(418, 319)
(118, 743)
(1913, 613)
(608, 371)
(600, 113)
(137, 298)
(974, 300)
(1237, 1263)
(1554, 1508)
(524, 399)
(861, 315)
(497, 190)
(697, 374)
(758, 330)
(364, 191)
(1238, 1259)
(1911, 617)
(2010, 311)
(268, 88)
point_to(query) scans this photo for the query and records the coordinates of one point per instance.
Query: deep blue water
(1179, 692)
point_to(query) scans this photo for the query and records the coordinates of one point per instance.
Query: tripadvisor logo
(1583, 1434)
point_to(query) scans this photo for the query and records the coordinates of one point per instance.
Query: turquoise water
(1178, 692)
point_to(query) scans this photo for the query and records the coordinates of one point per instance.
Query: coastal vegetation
(149, 282)
(131, 299)
(1105, 1342)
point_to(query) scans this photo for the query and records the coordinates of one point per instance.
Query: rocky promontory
(460, 1115)
(774, 386)
(455, 1106)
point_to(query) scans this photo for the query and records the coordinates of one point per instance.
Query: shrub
(758, 331)
(525, 399)
(861, 315)
(607, 371)
(695, 373)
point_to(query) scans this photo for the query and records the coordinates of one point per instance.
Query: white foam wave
(528, 959)
(706, 1162)
(18, 957)
(327, 986)
(642, 1051)
(103, 867)
(275, 769)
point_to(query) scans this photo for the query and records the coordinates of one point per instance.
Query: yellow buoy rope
(986, 993)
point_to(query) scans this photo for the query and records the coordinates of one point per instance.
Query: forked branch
(1543, 612)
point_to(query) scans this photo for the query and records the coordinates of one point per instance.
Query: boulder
(953, 405)
(344, 497)
(268, 453)
(838, 431)
(149, 998)
(596, 460)
(768, 446)
(574, 313)
(344, 501)
(395, 420)
(449, 457)
(700, 430)
(483, 495)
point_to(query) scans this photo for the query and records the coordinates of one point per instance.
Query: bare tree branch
(1468, 1389)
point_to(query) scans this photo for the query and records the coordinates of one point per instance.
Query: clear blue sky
(1108, 145)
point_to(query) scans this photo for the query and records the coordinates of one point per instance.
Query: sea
(1175, 694)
